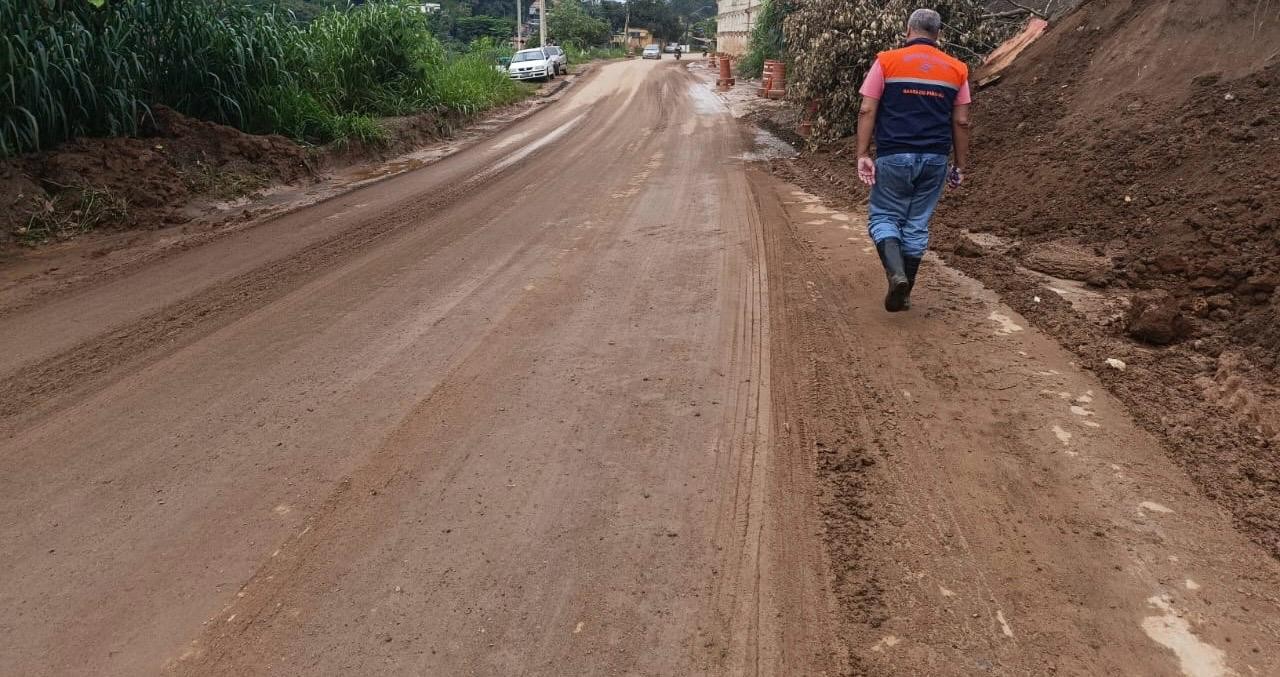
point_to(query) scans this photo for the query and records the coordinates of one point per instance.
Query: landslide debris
(138, 182)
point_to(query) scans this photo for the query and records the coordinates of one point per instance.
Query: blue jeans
(903, 198)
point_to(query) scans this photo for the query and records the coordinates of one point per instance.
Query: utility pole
(519, 28)
(626, 31)
(542, 22)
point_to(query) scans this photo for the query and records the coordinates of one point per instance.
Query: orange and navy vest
(920, 87)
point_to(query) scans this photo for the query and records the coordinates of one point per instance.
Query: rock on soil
(1067, 261)
(1156, 317)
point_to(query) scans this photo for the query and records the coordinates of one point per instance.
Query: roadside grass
(583, 55)
(73, 69)
(469, 83)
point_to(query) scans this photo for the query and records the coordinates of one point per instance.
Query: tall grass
(79, 70)
(469, 83)
(379, 58)
(578, 54)
(59, 78)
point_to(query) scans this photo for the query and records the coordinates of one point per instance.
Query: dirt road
(598, 395)
(507, 414)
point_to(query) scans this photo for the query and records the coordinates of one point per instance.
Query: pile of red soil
(1140, 129)
(1136, 148)
(149, 178)
(1147, 134)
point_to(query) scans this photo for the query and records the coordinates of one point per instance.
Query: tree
(468, 28)
(303, 10)
(767, 37)
(656, 16)
(568, 22)
(832, 43)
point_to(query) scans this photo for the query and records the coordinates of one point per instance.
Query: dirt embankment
(143, 181)
(1125, 196)
(164, 176)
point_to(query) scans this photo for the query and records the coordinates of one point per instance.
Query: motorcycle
(677, 55)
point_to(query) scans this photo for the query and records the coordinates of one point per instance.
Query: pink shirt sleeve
(964, 97)
(873, 86)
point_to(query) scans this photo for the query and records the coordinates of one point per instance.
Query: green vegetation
(767, 40)
(580, 31)
(467, 29)
(302, 10)
(568, 23)
(581, 55)
(72, 69)
(832, 43)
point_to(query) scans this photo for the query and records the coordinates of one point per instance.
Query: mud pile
(142, 182)
(1124, 196)
(1148, 133)
(1135, 149)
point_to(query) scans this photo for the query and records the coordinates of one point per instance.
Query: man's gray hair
(925, 21)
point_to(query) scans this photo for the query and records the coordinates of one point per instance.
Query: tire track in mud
(982, 508)
(287, 585)
(820, 424)
(38, 389)
(746, 450)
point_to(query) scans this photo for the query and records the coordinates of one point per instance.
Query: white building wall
(734, 21)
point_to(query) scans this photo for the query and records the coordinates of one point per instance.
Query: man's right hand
(867, 170)
(955, 177)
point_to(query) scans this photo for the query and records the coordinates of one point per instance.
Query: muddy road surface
(597, 395)
(505, 414)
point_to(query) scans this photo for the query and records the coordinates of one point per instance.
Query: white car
(532, 64)
(651, 52)
(559, 57)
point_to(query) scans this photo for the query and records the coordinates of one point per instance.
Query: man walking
(916, 102)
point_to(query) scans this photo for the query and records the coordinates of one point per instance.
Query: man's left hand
(955, 177)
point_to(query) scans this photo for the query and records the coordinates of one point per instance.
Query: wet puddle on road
(769, 147)
(1007, 325)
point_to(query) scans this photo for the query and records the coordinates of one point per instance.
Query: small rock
(1242, 134)
(969, 249)
(1229, 96)
(1156, 317)
(1118, 365)
(1205, 283)
(1259, 284)
(1220, 301)
(1169, 263)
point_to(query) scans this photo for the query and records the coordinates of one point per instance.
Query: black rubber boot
(895, 270)
(912, 266)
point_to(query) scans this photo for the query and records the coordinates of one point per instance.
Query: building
(734, 22)
(637, 40)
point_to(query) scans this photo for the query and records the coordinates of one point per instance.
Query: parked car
(531, 64)
(651, 52)
(561, 59)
